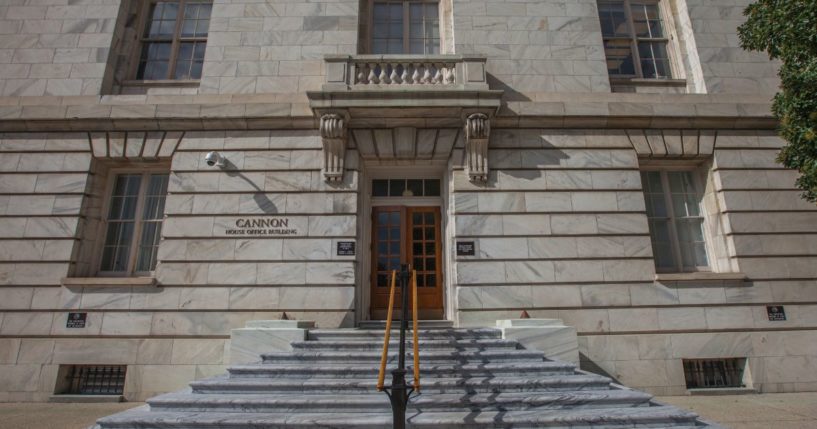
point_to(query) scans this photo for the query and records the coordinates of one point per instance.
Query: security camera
(214, 158)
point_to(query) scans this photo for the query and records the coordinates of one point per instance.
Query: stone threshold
(86, 399)
(722, 391)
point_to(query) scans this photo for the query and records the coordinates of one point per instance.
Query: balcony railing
(404, 72)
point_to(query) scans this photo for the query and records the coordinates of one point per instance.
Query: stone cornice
(288, 111)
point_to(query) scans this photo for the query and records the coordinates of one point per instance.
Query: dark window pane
(380, 188)
(619, 57)
(417, 248)
(613, 20)
(383, 280)
(394, 248)
(394, 234)
(431, 280)
(417, 218)
(394, 218)
(431, 248)
(396, 187)
(432, 188)
(415, 186)
(429, 218)
(417, 234)
(430, 234)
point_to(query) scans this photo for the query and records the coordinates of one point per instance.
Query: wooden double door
(407, 235)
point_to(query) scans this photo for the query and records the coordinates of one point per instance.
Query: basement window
(91, 380)
(714, 373)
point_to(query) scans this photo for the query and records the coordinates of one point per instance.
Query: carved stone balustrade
(385, 72)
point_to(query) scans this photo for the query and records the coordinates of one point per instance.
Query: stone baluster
(451, 75)
(415, 77)
(384, 76)
(404, 77)
(394, 77)
(438, 75)
(361, 73)
(427, 73)
(372, 75)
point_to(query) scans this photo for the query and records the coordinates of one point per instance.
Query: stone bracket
(334, 132)
(477, 134)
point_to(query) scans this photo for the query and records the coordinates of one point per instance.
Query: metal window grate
(96, 379)
(714, 373)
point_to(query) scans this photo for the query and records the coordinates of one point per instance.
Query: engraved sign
(346, 248)
(465, 248)
(261, 226)
(76, 320)
(776, 313)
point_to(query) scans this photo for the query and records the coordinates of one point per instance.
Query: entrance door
(407, 235)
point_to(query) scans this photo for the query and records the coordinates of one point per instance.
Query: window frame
(633, 39)
(406, 25)
(675, 243)
(177, 39)
(113, 174)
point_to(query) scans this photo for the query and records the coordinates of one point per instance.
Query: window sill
(168, 83)
(699, 276)
(73, 282)
(640, 81)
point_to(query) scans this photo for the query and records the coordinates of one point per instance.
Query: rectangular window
(174, 40)
(635, 40)
(406, 188)
(133, 225)
(676, 222)
(405, 27)
(714, 373)
(91, 379)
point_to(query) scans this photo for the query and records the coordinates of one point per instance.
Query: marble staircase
(471, 378)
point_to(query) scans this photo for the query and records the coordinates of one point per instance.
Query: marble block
(265, 336)
(551, 336)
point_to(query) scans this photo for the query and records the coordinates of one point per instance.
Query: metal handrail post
(399, 389)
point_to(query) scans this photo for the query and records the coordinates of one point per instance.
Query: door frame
(426, 169)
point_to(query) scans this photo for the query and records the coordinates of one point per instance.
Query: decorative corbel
(333, 136)
(477, 132)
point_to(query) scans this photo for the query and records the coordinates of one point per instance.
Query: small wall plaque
(346, 248)
(465, 248)
(776, 313)
(76, 320)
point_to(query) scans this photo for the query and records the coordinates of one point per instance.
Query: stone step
(427, 370)
(434, 385)
(465, 344)
(264, 403)
(640, 417)
(432, 356)
(423, 324)
(369, 334)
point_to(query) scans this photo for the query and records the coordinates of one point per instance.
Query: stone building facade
(610, 164)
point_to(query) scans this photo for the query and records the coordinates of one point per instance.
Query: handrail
(381, 376)
(416, 335)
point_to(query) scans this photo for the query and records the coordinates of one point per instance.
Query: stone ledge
(86, 399)
(699, 276)
(719, 391)
(73, 282)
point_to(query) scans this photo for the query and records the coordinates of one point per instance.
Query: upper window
(673, 201)
(174, 40)
(635, 39)
(405, 27)
(133, 225)
(406, 187)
